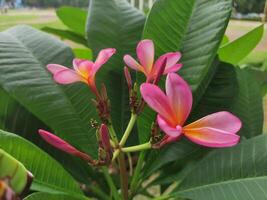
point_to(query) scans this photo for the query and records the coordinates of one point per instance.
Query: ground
(41, 18)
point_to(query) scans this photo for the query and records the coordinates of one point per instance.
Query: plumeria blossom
(83, 70)
(146, 53)
(173, 108)
(63, 145)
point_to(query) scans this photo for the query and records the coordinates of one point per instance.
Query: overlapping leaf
(238, 49)
(49, 174)
(24, 53)
(47, 196)
(194, 27)
(233, 173)
(115, 23)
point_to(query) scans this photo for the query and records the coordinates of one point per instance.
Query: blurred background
(246, 15)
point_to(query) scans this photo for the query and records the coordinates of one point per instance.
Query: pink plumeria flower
(63, 145)
(146, 53)
(83, 70)
(173, 108)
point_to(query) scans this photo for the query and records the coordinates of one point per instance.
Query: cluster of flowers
(172, 106)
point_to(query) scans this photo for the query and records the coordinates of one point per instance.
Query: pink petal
(62, 145)
(172, 59)
(157, 100)
(145, 54)
(169, 130)
(103, 56)
(55, 68)
(76, 62)
(224, 121)
(68, 76)
(132, 63)
(172, 69)
(83, 67)
(180, 97)
(211, 137)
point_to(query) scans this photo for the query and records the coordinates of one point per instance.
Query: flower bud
(128, 78)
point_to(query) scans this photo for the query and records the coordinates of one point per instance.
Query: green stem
(128, 129)
(137, 172)
(125, 135)
(99, 193)
(123, 176)
(140, 147)
(111, 184)
(113, 134)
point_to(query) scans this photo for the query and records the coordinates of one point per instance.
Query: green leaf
(238, 49)
(46, 196)
(74, 18)
(23, 75)
(224, 41)
(248, 104)
(220, 93)
(194, 27)
(115, 23)
(48, 174)
(15, 118)
(232, 173)
(16, 174)
(83, 53)
(66, 34)
(237, 91)
(180, 150)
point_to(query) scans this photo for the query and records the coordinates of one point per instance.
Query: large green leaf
(114, 23)
(238, 49)
(233, 173)
(49, 175)
(73, 18)
(24, 53)
(237, 91)
(19, 178)
(220, 93)
(47, 196)
(248, 105)
(180, 150)
(16, 119)
(194, 27)
(83, 53)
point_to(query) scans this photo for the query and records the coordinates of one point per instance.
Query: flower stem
(128, 129)
(110, 183)
(113, 134)
(140, 147)
(137, 172)
(123, 176)
(125, 135)
(98, 192)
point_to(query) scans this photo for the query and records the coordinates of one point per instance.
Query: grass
(35, 18)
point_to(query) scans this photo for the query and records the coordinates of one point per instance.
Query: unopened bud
(105, 149)
(128, 78)
(104, 93)
(104, 134)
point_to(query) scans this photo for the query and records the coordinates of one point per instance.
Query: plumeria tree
(163, 103)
